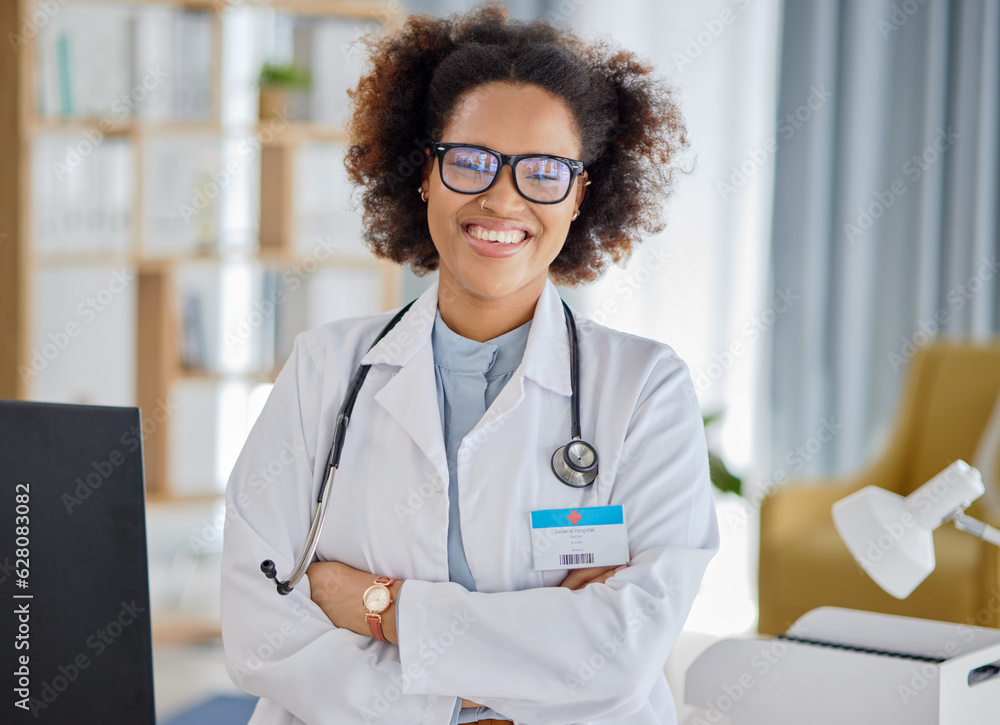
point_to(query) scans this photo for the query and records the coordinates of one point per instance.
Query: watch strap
(375, 620)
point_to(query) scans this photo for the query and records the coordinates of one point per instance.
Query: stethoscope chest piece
(575, 463)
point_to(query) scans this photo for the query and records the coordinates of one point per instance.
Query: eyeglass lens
(539, 178)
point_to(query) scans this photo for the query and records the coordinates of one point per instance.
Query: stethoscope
(574, 463)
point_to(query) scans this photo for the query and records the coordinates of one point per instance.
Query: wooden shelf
(194, 257)
(190, 4)
(15, 183)
(158, 311)
(383, 12)
(122, 127)
(181, 629)
(268, 258)
(297, 132)
(83, 259)
(357, 9)
(157, 337)
(165, 498)
(279, 259)
(211, 376)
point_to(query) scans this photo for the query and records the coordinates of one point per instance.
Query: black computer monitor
(74, 620)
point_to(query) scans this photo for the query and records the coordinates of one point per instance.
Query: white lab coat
(538, 653)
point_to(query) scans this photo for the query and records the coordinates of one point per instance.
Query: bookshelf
(147, 208)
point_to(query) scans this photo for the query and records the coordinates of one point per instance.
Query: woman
(451, 442)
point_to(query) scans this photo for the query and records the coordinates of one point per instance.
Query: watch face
(377, 598)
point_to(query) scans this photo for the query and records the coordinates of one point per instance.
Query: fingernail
(618, 569)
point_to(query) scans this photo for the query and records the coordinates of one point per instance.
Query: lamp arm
(975, 526)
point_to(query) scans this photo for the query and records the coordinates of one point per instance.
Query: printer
(837, 666)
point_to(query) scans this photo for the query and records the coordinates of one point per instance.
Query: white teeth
(492, 235)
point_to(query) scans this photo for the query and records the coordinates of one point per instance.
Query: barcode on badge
(573, 559)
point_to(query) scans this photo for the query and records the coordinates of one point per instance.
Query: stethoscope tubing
(332, 464)
(566, 472)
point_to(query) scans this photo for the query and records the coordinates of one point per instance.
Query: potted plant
(277, 83)
(722, 477)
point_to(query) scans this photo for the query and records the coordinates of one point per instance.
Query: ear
(581, 188)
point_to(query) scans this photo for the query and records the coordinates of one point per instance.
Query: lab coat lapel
(409, 394)
(545, 361)
(546, 356)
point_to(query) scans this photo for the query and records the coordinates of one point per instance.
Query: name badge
(575, 538)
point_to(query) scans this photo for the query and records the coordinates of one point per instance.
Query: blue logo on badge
(592, 516)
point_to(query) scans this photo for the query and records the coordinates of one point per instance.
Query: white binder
(837, 666)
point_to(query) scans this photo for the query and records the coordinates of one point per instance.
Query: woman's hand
(579, 578)
(338, 588)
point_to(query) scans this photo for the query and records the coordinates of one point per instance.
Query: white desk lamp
(891, 536)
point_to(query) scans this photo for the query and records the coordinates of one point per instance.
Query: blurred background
(175, 209)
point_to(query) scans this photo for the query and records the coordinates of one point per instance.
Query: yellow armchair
(948, 396)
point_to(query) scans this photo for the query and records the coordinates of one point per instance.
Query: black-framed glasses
(539, 178)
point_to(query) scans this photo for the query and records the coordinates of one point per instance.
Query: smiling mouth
(511, 236)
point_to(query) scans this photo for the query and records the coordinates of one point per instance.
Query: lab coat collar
(409, 394)
(410, 334)
(546, 357)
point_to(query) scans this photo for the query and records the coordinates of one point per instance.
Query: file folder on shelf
(837, 666)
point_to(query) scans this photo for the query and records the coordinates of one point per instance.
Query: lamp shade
(891, 537)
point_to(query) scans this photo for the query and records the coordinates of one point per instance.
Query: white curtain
(701, 286)
(885, 211)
